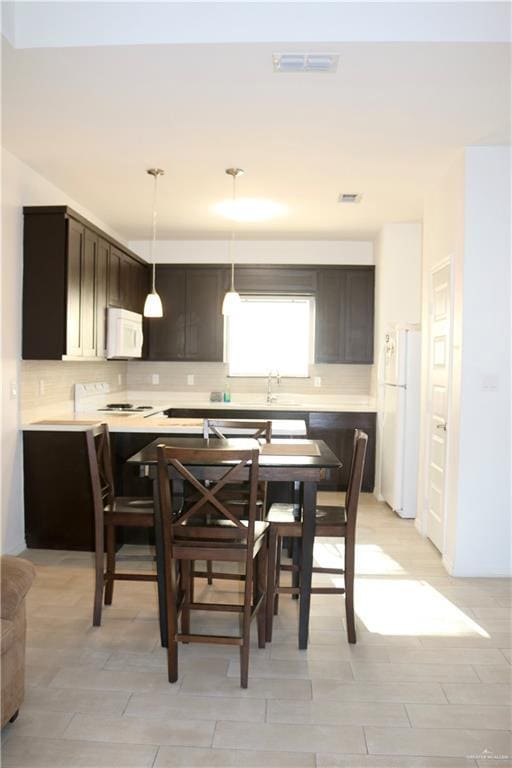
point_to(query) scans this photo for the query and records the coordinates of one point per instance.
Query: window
(271, 333)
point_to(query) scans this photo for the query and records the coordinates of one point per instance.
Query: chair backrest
(223, 427)
(189, 522)
(100, 464)
(355, 478)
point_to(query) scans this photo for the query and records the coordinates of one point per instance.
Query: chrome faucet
(271, 398)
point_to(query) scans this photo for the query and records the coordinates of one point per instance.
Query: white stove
(94, 398)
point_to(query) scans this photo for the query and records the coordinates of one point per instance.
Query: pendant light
(232, 298)
(153, 303)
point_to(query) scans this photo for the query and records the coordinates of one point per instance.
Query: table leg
(160, 565)
(308, 539)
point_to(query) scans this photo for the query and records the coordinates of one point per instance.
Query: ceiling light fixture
(250, 209)
(153, 304)
(232, 298)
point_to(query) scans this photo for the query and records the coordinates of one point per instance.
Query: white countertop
(256, 402)
(158, 424)
(59, 418)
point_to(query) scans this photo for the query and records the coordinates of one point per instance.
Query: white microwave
(124, 334)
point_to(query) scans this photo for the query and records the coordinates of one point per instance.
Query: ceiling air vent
(305, 62)
(349, 197)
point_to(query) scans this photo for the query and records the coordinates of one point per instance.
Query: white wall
(467, 218)
(20, 186)
(257, 251)
(397, 297)
(483, 541)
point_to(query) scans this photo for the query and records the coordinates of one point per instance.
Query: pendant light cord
(153, 234)
(232, 241)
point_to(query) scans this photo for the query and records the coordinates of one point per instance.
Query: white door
(439, 322)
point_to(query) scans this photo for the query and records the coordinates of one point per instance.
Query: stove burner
(121, 406)
(128, 407)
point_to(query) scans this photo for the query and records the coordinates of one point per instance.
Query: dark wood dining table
(303, 461)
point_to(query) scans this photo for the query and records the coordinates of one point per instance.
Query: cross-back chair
(205, 528)
(111, 511)
(339, 522)
(237, 495)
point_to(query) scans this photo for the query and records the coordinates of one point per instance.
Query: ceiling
(387, 124)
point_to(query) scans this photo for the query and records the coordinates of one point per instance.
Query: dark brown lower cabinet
(337, 429)
(58, 501)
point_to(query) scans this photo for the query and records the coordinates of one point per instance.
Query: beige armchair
(17, 576)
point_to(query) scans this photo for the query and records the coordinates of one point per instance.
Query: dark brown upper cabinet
(344, 315)
(69, 278)
(192, 327)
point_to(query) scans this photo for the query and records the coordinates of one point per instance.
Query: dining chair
(207, 529)
(110, 512)
(237, 495)
(331, 521)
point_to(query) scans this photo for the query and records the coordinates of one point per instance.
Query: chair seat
(331, 516)
(221, 529)
(131, 504)
(281, 514)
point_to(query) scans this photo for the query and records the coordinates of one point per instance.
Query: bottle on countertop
(227, 393)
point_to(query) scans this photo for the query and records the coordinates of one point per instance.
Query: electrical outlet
(42, 387)
(155, 378)
(119, 378)
(190, 379)
(317, 381)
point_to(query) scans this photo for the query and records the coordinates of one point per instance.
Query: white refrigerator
(400, 420)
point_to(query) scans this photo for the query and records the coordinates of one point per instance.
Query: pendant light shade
(153, 304)
(232, 299)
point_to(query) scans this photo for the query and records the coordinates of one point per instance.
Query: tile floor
(428, 683)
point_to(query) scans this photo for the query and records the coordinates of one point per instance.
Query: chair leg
(261, 590)
(349, 591)
(186, 576)
(99, 584)
(192, 566)
(277, 576)
(246, 626)
(172, 621)
(272, 556)
(111, 563)
(296, 563)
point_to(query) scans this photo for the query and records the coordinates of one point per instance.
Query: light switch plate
(155, 378)
(190, 379)
(317, 381)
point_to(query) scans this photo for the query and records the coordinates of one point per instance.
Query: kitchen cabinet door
(344, 315)
(102, 264)
(358, 316)
(141, 286)
(337, 430)
(329, 326)
(204, 332)
(88, 295)
(75, 248)
(167, 333)
(114, 277)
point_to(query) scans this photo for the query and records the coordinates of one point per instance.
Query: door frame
(446, 262)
